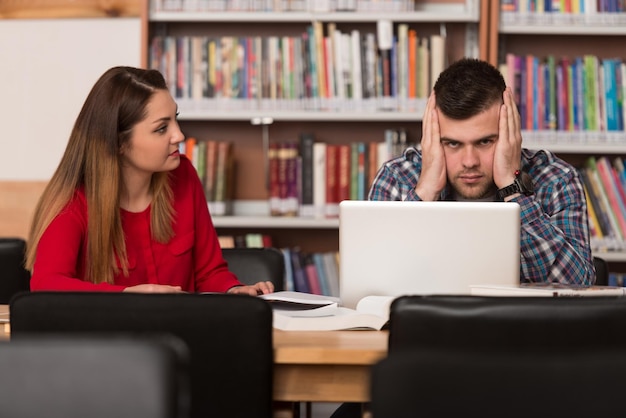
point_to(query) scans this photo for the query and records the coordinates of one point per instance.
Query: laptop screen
(399, 248)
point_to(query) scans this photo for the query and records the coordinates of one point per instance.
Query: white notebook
(401, 248)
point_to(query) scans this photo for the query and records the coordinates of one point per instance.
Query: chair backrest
(95, 377)
(252, 265)
(501, 356)
(229, 338)
(13, 277)
(602, 271)
(506, 322)
(493, 384)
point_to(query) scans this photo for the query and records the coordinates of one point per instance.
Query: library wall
(57, 50)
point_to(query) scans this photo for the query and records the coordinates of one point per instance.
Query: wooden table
(325, 366)
(4, 322)
(314, 366)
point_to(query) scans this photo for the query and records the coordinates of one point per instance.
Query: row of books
(309, 178)
(318, 70)
(247, 240)
(584, 93)
(308, 272)
(284, 5)
(564, 6)
(605, 188)
(311, 272)
(215, 164)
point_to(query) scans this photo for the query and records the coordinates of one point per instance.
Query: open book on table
(296, 311)
(549, 290)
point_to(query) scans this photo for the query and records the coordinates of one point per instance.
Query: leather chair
(252, 265)
(229, 338)
(502, 356)
(13, 277)
(95, 377)
(523, 383)
(474, 322)
(602, 271)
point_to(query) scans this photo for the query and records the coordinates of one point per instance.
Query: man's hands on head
(508, 153)
(433, 177)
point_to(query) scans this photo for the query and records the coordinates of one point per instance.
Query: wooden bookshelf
(601, 34)
(462, 23)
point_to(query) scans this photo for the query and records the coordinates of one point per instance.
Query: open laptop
(401, 248)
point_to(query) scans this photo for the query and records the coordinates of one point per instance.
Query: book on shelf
(300, 279)
(596, 205)
(288, 279)
(221, 204)
(296, 311)
(311, 272)
(209, 173)
(273, 180)
(547, 290)
(332, 181)
(319, 179)
(595, 230)
(307, 143)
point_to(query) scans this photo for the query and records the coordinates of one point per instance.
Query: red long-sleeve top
(192, 259)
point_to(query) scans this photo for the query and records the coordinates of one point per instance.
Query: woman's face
(153, 144)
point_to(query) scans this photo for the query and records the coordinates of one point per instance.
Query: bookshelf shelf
(563, 24)
(452, 12)
(573, 29)
(274, 222)
(576, 142)
(303, 115)
(612, 256)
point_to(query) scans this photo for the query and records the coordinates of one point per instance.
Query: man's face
(469, 147)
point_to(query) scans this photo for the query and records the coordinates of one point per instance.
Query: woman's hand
(260, 288)
(154, 288)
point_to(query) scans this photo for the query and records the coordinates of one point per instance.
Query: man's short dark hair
(468, 87)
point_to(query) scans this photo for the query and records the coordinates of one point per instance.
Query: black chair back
(602, 271)
(95, 377)
(229, 338)
(495, 383)
(506, 322)
(13, 277)
(502, 356)
(252, 265)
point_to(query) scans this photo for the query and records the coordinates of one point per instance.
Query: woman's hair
(468, 87)
(92, 160)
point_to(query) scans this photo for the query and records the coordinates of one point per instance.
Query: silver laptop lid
(398, 248)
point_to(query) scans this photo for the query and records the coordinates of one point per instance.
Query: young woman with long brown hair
(124, 211)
